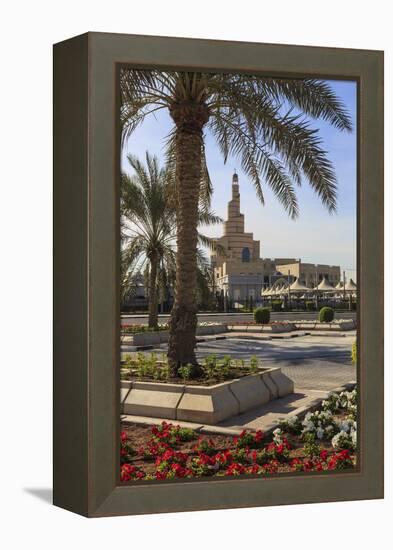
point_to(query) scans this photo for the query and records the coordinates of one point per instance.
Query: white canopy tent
(350, 287)
(325, 286)
(296, 286)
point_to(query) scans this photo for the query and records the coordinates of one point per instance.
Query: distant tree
(148, 229)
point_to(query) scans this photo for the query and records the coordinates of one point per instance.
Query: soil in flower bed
(147, 368)
(200, 381)
(168, 451)
(136, 329)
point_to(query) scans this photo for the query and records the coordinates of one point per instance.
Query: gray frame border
(86, 305)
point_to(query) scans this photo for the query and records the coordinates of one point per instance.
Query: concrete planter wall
(204, 404)
(273, 328)
(162, 336)
(344, 324)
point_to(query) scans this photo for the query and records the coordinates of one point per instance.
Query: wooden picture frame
(86, 273)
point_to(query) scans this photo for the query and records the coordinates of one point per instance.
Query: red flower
(323, 454)
(128, 472)
(271, 467)
(161, 475)
(259, 435)
(180, 470)
(235, 469)
(254, 469)
(224, 457)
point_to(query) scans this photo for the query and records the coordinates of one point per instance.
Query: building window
(246, 255)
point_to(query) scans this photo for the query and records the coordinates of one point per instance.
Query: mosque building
(239, 271)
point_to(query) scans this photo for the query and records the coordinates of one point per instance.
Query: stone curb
(204, 404)
(313, 406)
(221, 430)
(127, 348)
(161, 337)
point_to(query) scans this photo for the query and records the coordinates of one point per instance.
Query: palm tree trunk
(183, 322)
(153, 293)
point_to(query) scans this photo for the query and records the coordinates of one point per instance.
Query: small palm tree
(265, 122)
(148, 229)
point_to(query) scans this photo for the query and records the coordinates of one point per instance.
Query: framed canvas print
(218, 274)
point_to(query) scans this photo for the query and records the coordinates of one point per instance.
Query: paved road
(238, 317)
(313, 362)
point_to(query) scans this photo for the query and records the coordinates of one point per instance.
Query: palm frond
(264, 121)
(315, 98)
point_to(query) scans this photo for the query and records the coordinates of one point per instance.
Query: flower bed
(168, 451)
(336, 422)
(137, 328)
(150, 367)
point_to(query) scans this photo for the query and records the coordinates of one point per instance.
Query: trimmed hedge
(262, 315)
(326, 315)
(354, 353)
(277, 305)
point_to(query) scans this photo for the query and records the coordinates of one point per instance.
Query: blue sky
(316, 236)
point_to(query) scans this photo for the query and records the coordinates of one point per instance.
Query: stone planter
(152, 399)
(341, 325)
(270, 328)
(207, 404)
(204, 404)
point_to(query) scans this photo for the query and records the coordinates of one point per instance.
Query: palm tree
(265, 122)
(148, 229)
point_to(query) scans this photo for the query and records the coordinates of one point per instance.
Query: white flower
(292, 420)
(320, 433)
(308, 426)
(344, 426)
(336, 440)
(277, 434)
(342, 440)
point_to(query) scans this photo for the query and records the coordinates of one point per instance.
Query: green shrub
(254, 364)
(326, 314)
(262, 315)
(311, 447)
(277, 305)
(354, 353)
(185, 372)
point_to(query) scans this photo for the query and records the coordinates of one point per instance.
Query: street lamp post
(289, 290)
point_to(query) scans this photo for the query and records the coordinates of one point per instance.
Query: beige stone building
(241, 273)
(309, 274)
